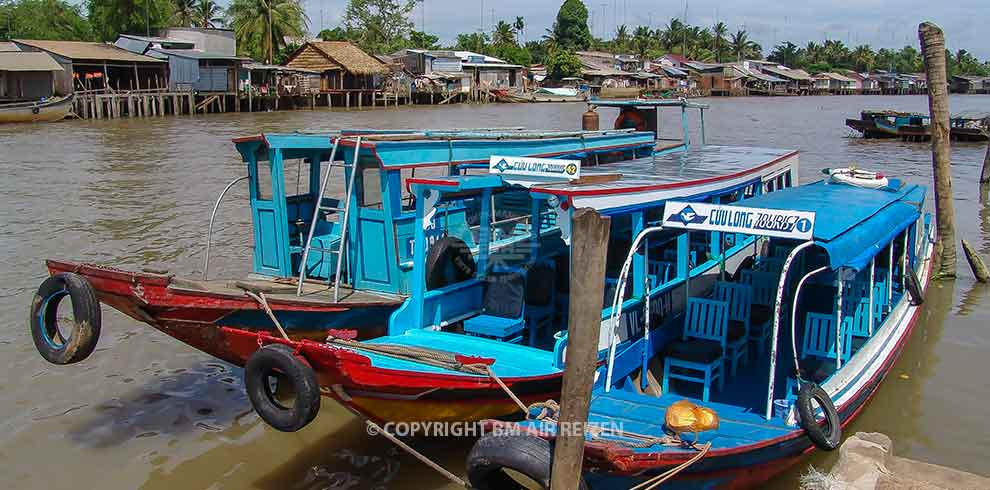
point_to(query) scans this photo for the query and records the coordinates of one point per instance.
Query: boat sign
(779, 223)
(542, 168)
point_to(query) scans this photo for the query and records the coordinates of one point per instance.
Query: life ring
(525, 455)
(914, 288)
(449, 262)
(630, 118)
(858, 177)
(826, 436)
(84, 332)
(281, 362)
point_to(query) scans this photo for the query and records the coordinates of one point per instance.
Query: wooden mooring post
(985, 173)
(589, 243)
(933, 52)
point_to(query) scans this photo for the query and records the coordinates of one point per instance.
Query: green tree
(380, 25)
(44, 19)
(537, 51)
(621, 40)
(862, 58)
(208, 14)
(561, 63)
(111, 18)
(261, 26)
(423, 40)
(503, 35)
(335, 34)
(520, 26)
(719, 31)
(571, 27)
(474, 41)
(787, 54)
(183, 13)
(642, 41)
(742, 47)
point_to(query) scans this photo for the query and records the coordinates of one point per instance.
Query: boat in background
(53, 109)
(916, 127)
(850, 286)
(887, 123)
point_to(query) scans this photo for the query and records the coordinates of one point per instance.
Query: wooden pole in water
(589, 242)
(985, 173)
(933, 51)
(976, 263)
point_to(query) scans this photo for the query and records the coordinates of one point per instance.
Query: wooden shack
(27, 76)
(96, 66)
(345, 70)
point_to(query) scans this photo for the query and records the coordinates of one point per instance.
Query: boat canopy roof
(647, 103)
(852, 223)
(405, 148)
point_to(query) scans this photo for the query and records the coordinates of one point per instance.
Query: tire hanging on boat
(527, 455)
(281, 362)
(49, 335)
(914, 288)
(449, 262)
(827, 436)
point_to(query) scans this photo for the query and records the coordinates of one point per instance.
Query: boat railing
(213, 216)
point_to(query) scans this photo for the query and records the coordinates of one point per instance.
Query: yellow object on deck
(684, 416)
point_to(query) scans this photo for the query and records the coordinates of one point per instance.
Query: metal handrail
(213, 216)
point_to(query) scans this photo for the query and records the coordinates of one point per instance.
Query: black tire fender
(524, 454)
(449, 254)
(914, 288)
(87, 322)
(282, 361)
(828, 435)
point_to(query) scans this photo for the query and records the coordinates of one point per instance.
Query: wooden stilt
(589, 243)
(347, 100)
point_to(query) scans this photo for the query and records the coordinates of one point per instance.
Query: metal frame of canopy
(654, 106)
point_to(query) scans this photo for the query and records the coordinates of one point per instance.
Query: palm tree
(740, 44)
(719, 30)
(519, 25)
(208, 14)
(621, 38)
(503, 35)
(184, 14)
(862, 58)
(260, 26)
(641, 41)
(787, 54)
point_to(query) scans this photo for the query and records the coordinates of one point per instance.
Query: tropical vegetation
(262, 26)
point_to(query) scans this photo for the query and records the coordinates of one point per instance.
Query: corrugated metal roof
(21, 61)
(787, 73)
(194, 54)
(77, 50)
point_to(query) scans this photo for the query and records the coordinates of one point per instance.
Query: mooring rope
(260, 298)
(416, 454)
(662, 477)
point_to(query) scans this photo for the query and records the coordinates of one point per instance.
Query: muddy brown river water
(147, 412)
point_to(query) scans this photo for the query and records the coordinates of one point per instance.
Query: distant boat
(887, 123)
(911, 126)
(54, 109)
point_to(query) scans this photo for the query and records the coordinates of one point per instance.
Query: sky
(879, 23)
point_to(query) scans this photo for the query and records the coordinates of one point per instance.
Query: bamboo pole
(589, 243)
(933, 51)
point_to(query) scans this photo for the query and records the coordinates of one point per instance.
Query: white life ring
(858, 177)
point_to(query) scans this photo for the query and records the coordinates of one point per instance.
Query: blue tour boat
(828, 298)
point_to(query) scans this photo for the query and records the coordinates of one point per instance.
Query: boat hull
(614, 466)
(869, 129)
(392, 395)
(197, 317)
(48, 111)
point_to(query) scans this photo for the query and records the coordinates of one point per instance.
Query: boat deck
(278, 291)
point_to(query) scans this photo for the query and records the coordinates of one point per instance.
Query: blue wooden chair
(701, 347)
(739, 297)
(764, 294)
(661, 271)
(820, 334)
(541, 291)
(503, 307)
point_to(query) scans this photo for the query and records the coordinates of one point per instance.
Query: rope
(416, 454)
(260, 298)
(505, 388)
(662, 477)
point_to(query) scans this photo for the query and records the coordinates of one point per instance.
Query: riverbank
(867, 462)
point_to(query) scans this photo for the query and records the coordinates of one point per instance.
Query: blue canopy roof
(852, 224)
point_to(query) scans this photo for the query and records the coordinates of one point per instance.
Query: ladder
(341, 248)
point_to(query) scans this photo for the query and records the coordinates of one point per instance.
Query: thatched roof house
(344, 66)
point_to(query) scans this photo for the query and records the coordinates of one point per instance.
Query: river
(145, 411)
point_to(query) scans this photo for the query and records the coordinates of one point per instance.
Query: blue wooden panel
(266, 246)
(374, 256)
